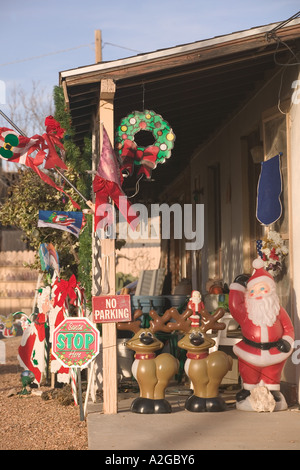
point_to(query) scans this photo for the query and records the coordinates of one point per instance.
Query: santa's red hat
(260, 274)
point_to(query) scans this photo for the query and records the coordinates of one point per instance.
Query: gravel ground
(33, 423)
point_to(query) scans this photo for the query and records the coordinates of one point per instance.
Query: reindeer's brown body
(152, 372)
(206, 373)
(205, 370)
(153, 375)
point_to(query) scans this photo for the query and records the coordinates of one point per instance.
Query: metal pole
(69, 182)
(12, 123)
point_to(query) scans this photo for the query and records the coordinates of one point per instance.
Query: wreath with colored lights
(146, 157)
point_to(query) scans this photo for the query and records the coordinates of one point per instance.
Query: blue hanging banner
(269, 208)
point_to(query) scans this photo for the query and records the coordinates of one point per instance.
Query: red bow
(103, 190)
(47, 152)
(132, 154)
(64, 289)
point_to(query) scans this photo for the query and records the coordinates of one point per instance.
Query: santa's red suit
(195, 303)
(260, 353)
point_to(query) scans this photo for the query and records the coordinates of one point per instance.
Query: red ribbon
(64, 289)
(146, 158)
(105, 189)
(52, 137)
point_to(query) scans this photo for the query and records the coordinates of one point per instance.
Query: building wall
(294, 124)
(226, 148)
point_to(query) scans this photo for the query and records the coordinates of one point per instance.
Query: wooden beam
(109, 330)
(66, 97)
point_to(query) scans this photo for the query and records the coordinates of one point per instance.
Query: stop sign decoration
(75, 342)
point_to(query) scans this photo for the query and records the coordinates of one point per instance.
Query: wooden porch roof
(195, 87)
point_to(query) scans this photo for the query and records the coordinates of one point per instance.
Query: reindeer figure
(152, 372)
(205, 370)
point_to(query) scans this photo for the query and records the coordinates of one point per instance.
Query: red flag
(19, 149)
(107, 183)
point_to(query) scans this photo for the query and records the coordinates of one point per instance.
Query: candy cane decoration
(79, 301)
(73, 375)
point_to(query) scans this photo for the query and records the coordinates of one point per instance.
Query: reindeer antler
(135, 325)
(163, 323)
(158, 322)
(210, 321)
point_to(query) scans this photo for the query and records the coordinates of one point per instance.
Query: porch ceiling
(196, 91)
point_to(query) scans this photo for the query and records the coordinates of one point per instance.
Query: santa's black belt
(262, 346)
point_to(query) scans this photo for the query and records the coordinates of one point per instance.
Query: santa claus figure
(268, 336)
(195, 303)
(32, 352)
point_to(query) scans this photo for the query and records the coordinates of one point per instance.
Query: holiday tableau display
(152, 372)
(272, 251)
(68, 221)
(148, 157)
(268, 337)
(107, 183)
(269, 208)
(205, 370)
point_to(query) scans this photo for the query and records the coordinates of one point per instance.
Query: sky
(40, 39)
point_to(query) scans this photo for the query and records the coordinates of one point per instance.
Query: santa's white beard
(263, 312)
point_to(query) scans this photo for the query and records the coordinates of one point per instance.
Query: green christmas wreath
(146, 157)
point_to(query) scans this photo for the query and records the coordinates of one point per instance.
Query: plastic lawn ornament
(205, 370)
(146, 158)
(268, 337)
(195, 303)
(32, 352)
(22, 319)
(152, 372)
(7, 327)
(269, 208)
(27, 378)
(107, 184)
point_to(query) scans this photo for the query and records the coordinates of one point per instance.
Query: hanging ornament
(148, 157)
(269, 207)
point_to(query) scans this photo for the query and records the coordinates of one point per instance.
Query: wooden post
(98, 46)
(109, 330)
